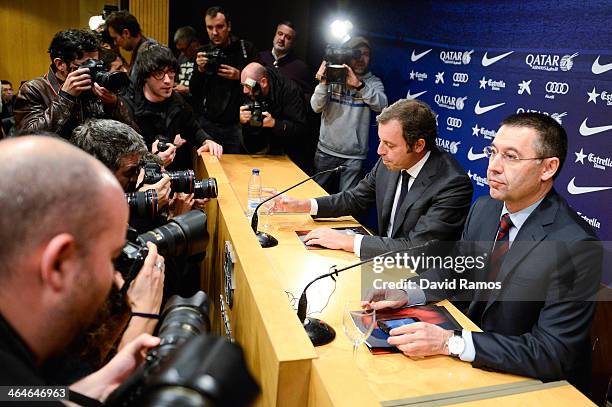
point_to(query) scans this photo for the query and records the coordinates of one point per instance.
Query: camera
(113, 81)
(189, 367)
(143, 204)
(257, 107)
(185, 235)
(181, 181)
(215, 57)
(336, 56)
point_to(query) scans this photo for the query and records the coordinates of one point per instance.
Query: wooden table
(290, 370)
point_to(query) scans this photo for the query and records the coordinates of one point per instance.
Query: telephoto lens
(185, 235)
(143, 204)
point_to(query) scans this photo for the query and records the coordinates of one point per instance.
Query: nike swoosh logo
(598, 69)
(415, 57)
(416, 95)
(586, 131)
(473, 157)
(574, 190)
(486, 61)
(484, 109)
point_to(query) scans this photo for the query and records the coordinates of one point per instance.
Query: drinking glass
(358, 323)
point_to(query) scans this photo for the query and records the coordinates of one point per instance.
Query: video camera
(113, 81)
(215, 57)
(336, 56)
(181, 181)
(189, 367)
(185, 235)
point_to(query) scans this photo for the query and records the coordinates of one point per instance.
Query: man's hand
(77, 82)
(268, 120)
(229, 72)
(106, 96)
(182, 89)
(201, 61)
(179, 141)
(288, 204)
(200, 203)
(181, 203)
(351, 79)
(420, 339)
(332, 239)
(320, 76)
(166, 156)
(145, 292)
(245, 114)
(162, 187)
(381, 299)
(212, 147)
(101, 383)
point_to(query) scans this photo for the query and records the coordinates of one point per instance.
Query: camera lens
(183, 318)
(205, 188)
(184, 235)
(113, 81)
(142, 204)
(182, 181)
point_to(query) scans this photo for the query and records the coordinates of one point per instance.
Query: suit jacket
(538, 323)
(435, 208)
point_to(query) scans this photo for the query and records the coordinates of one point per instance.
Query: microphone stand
(319, 332)
(265, 239)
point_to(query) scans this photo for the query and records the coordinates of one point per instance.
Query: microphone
(319, 331)
(266, 240)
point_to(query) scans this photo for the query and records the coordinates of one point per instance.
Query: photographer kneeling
(75, 88)
(57, 256)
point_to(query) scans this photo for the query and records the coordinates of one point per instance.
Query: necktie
(402, 196)
(502, 244)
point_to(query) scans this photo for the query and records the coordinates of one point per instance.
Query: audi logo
(560, 88)
(454, 122)
(460, 77)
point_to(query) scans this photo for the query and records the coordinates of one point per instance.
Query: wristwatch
(456, 344)
(361, 86)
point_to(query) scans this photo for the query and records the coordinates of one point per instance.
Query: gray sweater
(345, 123)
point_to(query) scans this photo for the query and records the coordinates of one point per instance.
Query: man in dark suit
(420, 193)
(535, 306)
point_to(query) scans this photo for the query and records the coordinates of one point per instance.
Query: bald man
(284, 113)
(63, 219)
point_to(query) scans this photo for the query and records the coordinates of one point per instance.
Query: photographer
(345, 123)
(275, 117)
(122, 150)
(163, 115)
(215, 84)
(57, 257)
(66, 95)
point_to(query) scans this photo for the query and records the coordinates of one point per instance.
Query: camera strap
(244, 53)
(82, 400)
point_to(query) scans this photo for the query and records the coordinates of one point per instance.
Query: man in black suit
(420, 193)
(544, 267)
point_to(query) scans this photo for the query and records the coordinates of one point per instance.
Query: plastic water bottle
(254, 193)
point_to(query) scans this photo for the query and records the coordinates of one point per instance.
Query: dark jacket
(164, 121)
(42, 105)
(292, 67)
(436, 206)
(286, 104)
(217, 98)
(537, 324)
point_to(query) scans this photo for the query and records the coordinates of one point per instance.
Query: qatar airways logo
(557, 116)
(448, 145)
(450, 102)
(456, 57)
(550, 63)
